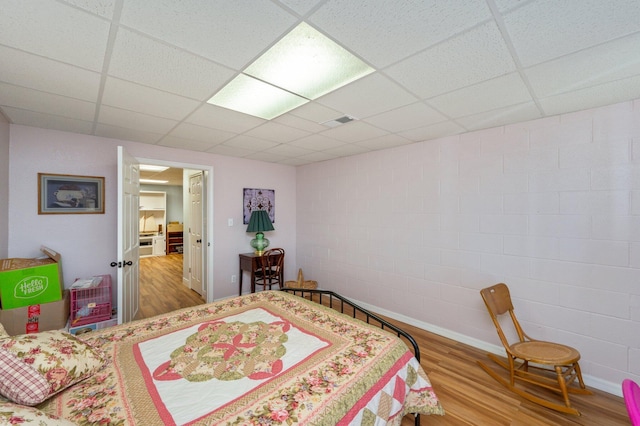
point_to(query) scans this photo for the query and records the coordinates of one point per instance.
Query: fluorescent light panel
(153, 181)
(302, 66)
(250, 96)
(152, 168)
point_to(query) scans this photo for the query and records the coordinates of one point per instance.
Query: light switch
(230, 222)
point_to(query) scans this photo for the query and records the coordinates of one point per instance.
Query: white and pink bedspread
(265, 358)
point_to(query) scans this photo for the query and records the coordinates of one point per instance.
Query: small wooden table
(250, 262)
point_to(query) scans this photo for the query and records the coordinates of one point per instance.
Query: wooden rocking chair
(550, 365)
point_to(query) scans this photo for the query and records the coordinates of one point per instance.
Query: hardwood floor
(468, 395)
(161, 288)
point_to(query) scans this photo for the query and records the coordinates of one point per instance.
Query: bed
(271, 357)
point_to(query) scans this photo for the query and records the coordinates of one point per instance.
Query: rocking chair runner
(550, 365)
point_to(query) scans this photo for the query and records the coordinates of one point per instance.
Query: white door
(127, 262)
(195, 232)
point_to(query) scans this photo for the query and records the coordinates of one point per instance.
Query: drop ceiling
(143, 70)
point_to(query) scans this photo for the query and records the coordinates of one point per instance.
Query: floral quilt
(265, 358)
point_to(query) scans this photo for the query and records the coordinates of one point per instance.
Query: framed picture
(68, 194)
(258, 199)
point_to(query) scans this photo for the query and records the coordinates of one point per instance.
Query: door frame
(208, 244)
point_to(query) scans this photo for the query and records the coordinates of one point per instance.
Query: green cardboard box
(25, 282)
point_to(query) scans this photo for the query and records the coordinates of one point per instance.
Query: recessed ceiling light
(308, 63)
(302, 66)
(153, 181)
(152, 168)
(254, 97)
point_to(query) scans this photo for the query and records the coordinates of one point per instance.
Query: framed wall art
(258, 199)
(68, 194)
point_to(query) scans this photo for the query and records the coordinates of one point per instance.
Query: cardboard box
(86, 328)
(36, 318)
(174, 227)
(25, 282)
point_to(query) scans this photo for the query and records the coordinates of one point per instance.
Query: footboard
(346, 306)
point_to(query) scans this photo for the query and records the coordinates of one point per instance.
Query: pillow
(3, 332)
(14, 414)
(34, 367)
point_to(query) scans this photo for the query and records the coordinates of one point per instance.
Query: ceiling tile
(266, 156)
(486, 96)
(547, 29)
(114, 132)
(148, 62)
(603, 94)
(302, 7)
(456, 63)
(224, 119)
(288, 150)
(406, 117)
(134, 120)
(298, 161)
(230, 151)
(604, 63)
(186, 143)
(346, 150)
(317, 156)
(501, 116)
(35, 72)
(316, 143)
(134, 97)
(47, 121)
(230, 33)
(368, 96)
(299, 123)
(446, 128)
(354, 131)
(23, 98)
(249, 142)
(103, 8)
(51, 29)
(276, 132)
(383, 142)
(202, 134)
(146, 68)
(313, 111)
(371, 28)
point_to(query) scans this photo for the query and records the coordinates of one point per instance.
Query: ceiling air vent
(338, 121)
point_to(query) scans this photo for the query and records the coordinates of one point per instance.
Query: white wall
(87, 242)
(550, 207)
(4, 186)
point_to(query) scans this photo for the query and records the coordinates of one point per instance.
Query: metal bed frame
(340, 302)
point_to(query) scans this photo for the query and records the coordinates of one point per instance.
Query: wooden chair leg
(526, 395)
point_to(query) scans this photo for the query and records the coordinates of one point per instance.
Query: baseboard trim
(590, 381)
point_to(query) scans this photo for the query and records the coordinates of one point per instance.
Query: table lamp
(259, 222)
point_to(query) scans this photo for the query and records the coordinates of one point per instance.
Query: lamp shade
(259, 222)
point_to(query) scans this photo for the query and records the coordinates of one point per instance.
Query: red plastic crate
(89, 305)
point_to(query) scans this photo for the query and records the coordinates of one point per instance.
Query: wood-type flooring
(161, 287)
(468, 395)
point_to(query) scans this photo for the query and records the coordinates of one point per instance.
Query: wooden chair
(270, 271)
(550, 365)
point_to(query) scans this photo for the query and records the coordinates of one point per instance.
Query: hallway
(161, 288)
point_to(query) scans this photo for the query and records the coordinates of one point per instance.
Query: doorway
(178, 276)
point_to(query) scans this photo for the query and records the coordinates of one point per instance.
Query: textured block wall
(551, 207)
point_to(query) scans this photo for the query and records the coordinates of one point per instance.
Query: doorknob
(198, 241)
(114, 264)
(128, 263)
